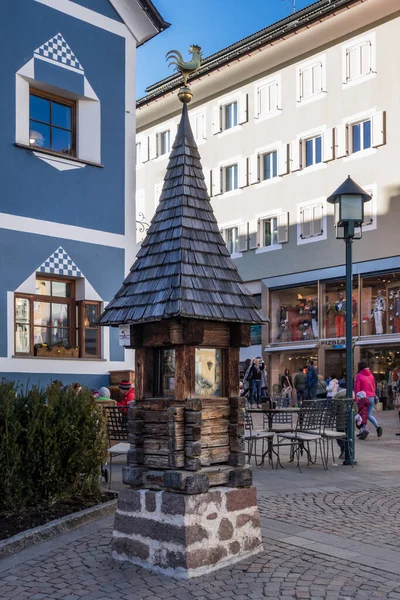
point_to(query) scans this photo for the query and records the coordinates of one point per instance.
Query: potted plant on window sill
(58, 351)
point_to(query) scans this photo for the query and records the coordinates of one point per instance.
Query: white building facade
(281, 118)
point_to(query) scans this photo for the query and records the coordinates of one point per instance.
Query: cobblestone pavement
(327, 536)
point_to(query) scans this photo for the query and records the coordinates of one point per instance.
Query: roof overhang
(141, 18)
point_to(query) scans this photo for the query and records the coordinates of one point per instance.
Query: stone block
(129, 500)
(241, 477)
(225, 530)
(150, 501)
(241, 499)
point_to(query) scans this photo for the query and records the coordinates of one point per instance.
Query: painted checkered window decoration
(59, 263)
(58, 50)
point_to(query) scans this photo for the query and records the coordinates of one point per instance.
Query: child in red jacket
(128, 393)
(362, 418)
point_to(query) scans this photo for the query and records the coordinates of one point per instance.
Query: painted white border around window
(316, 238)
(303, 137)
(273, 147)
(320, 58)
(264, 82)
(235, 160)
(370, 37)
(236, 96)
(263, 217)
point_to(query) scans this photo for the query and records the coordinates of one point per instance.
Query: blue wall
(101, 6)
(89, 197)
(22, 253)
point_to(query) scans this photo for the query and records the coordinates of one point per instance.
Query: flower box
(57, 352)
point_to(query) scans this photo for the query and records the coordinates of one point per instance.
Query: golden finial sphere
(185, 94)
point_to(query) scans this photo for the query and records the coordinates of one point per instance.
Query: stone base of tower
(185, 536)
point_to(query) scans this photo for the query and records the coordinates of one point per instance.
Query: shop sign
(124, 335)
(336, 344)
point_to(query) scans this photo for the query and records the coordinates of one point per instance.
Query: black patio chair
(254, 438)
(117, 431)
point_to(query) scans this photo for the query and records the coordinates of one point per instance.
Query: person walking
(300, 380)
(312, 380)
(365, 382)
(332, 387)
(253, 376)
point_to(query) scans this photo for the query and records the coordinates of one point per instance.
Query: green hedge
(52, 444)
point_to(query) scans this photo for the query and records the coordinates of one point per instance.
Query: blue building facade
(67, 208)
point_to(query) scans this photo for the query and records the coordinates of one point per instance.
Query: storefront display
(335, 307)
(289, 360)
(294, 314)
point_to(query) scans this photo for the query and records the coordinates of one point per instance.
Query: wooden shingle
(183, 268)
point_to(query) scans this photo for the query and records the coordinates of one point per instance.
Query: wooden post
(184, 372)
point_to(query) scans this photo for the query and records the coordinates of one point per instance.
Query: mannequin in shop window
(340, 313)
(354, 314)
(379, 312)
(314, 316)
(283, 318)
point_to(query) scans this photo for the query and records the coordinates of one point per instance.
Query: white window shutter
(283, 160)
(295, 156)
(365, 57)
(242, 176)
(283, 228)
(207, 180)
(254, 168)
(242, 109)
(341, 141)
(273, 96)
(317, 220)
(216, 120)
(203, 126)
(328, 145)
(216, 181)
(259, 97)
(253, 234)
(243, 237)
(305, 220)
(153, 146)
(317, 78)
(144, 149)
(378, 129)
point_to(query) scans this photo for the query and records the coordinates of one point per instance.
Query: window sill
(230, 130)
(28, 356)
(305, 101)
(66, 157)
(236, 255)
(268, 248)
(312, 168)
(352, 82)
(311, 239)
(270, 115)
(270, 181)
(359, 154)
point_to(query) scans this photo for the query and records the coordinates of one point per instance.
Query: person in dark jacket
(254, 377)
(300, 384)
(312, 380)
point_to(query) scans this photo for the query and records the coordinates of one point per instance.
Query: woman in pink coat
(365, 382)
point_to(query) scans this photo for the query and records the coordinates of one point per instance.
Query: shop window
(295, 361)
(294, 314)
(380, 302)
(256, 330)
(53, 318)
(335, 306)
(52, 122)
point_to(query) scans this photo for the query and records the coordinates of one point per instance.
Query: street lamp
(349, 201)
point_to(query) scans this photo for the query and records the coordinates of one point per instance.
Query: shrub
(52, 443)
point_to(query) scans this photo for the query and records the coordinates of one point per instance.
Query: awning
(291, 348)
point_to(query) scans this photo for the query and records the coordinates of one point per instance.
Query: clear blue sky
(212, 24)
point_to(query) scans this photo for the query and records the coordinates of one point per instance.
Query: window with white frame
(230, 115)
(310, 80)
(164, 142)
(230, 178)
(360, 136)
(231, 237)
(311, 220)
(269, 232)
(359, 60)
(269, 165)
(312, 150)
(272, 231)
(267, 98)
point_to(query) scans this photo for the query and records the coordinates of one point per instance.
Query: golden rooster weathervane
(185, 68)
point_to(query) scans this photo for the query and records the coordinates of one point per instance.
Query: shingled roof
(183, 268)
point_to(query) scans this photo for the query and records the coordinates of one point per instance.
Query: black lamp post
(349, 201)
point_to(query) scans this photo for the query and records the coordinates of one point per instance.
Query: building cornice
(279, 31)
